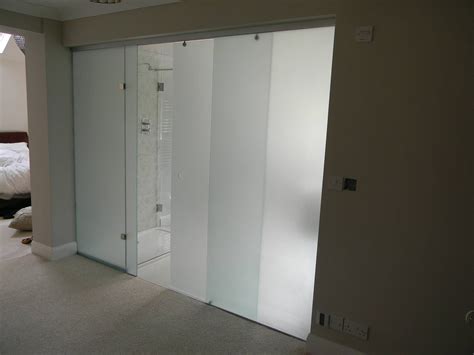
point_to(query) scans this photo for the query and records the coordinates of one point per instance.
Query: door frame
(131, 158)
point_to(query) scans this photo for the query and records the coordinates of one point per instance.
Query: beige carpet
(10, 241)
(78, 306)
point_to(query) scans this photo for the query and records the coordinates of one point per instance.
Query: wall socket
(356, 329)
(341, 324)
(336, 322)
(322, 319)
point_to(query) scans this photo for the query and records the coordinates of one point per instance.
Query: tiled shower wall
(158, 56)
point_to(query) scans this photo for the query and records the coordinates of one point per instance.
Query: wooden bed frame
(9, 207)
(14, 137)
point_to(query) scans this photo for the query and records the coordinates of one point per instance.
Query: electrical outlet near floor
(336, 322)
(322, 319)
(356, 329)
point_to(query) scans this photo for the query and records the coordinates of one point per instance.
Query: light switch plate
(364, 33)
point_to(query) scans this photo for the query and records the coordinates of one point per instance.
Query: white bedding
(14, 170)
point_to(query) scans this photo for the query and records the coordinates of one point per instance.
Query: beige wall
(20, 22)
(60, 134)
(398, 254)
(13, 106)
(190, 16)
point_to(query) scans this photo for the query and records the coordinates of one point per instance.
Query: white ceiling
(72, 9)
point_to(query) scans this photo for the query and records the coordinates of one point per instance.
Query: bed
(14, 173)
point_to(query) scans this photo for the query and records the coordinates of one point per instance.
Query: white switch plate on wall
(364, 34)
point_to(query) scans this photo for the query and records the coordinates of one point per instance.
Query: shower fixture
(150, 68)
(145, 126)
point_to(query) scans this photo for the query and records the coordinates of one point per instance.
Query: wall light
(4, 38)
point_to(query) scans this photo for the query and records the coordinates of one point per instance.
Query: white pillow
(23, 220)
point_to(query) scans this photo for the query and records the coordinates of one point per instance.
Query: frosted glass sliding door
(99, 130)
(297, 125)
(248, 142)
(241, 84)
(193, 67)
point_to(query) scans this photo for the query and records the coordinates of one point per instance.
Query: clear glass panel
(155, 127)
(298, 113)
(241, 86)
(165, 132)
(99, 129)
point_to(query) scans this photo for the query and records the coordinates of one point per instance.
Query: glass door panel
(99, 129)
(298, 114)
(241, 83)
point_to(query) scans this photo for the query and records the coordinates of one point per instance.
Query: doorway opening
(15, 187)
(155, 131)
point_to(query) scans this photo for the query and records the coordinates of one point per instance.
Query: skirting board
(316, 345)
(53, 253)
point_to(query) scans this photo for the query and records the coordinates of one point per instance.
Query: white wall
(297, 125)
(41, 192)
(193, 67)
(13, 104)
